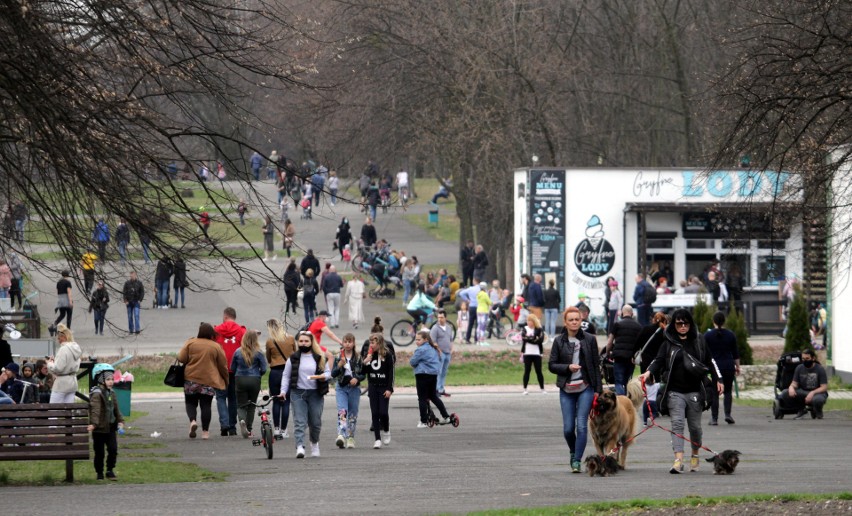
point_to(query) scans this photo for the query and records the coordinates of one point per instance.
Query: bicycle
(514, 337)
(499, 324)
(267, 435)
(403, 331)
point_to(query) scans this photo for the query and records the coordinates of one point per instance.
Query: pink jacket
(5, 277)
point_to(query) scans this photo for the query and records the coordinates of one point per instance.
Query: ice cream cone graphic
(594, 232)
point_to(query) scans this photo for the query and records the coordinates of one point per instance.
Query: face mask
(305, 349)
(808, 363)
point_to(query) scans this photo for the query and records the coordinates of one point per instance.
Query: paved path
(508, 452)
(166, 330)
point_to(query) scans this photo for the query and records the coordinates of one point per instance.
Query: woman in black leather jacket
(532, 349)
(575, 360)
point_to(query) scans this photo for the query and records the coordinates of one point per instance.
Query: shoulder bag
(174, 376)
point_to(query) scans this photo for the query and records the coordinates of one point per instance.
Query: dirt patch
(827, 507)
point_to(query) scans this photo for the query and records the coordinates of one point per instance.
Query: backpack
(649, 295)
(308, 288)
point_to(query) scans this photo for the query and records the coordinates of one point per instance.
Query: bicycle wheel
(450, 324)
(513, 337)
(402, 332)
(268, 439)
(506, 324)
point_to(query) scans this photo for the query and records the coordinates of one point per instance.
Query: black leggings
(427, 385)
(192, 401)
(292, 300)
(728, 382)
(530, 361)
(64, 313)
(101, 440)
(379, 407)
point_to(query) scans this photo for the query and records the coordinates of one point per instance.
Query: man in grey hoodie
(442, 335)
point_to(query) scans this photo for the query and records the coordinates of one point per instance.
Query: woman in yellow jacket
(483, 306)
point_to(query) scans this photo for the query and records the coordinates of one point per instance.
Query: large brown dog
(613, 419)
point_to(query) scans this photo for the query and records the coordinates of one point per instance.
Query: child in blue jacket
(426, 362)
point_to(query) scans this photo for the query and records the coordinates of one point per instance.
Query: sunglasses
(681, 323)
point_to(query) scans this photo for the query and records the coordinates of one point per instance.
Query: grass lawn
(645, 505)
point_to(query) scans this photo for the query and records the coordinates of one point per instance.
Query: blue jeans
(445, 366)
(575, 419)
(622, 371)
(20, 225)
(100, 316)
(163, 293)
(146, 252)
(226, 404)
(182, 292)
(550, 316)
(307, 412)
(256, 172)
(407, 292)
(122, 251)
(348, 400)
(133, 317)
(280, 408)
(373, 212)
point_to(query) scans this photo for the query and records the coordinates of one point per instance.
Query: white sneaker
(543, 391)
(377, 445)
(525, 392)
(315, 450)
(350, 443)
(244, 429)
(422, 425)
(300, 452)
(386, 438)
(340, 442)
(277, 431)
(286, 434)
(446, 420)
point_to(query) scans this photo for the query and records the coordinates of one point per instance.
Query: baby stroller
(783, 378)
(305, 203)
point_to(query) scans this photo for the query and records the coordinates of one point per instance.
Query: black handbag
(174, 376)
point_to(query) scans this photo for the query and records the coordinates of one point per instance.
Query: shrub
(798, 334)
(702, 313)
(736, 323)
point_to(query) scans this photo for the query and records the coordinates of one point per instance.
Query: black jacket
(164, 270)
(310, 262)
(292, 280)
(480, 260)
(668, 367)
(180, 274)
(357, 369)
(590, 362)
(624, 344)
(99, 300)
(467, 254)
(536, 339)
(368, 235)
(344, 235)
(552, 299)
(122, 234)
(133, 291)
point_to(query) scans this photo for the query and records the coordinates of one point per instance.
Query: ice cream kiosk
(583, 226)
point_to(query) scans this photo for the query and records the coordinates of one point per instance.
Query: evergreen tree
(736, 323)
(798, 335)
(702, 313)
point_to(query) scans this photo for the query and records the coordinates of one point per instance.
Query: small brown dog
(725, 463)
(613, 419)
(601, 466)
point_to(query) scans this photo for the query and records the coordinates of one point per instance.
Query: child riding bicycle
(420, 307)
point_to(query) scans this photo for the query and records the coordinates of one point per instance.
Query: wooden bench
(39, 431)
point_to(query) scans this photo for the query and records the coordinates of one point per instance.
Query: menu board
(547, 226)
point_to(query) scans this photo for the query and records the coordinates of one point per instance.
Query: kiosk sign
(547, 225)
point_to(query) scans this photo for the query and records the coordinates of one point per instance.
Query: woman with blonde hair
(532, 349)
(304, 383)
(65, 366)
(379, 361)
(248, 365)
(279, 346)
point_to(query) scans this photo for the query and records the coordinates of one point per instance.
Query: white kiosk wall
(840, 327)
(601, 236)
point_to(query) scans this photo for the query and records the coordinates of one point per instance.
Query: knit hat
(29, 366)
(11, 366)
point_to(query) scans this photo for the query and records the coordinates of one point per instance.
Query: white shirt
(402, 178)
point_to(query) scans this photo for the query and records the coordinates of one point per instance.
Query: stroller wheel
(776, 410)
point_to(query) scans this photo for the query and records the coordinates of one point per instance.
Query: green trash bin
(122, 395)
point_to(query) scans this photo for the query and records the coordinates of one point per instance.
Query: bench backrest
(59, 430)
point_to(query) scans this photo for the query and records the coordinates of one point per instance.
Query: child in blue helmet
(104, 420)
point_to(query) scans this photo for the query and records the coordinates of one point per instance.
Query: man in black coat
(467, 255)
(368, 233)
(310, 262)
(622, 346)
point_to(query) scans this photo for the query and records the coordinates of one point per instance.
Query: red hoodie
(229, 335)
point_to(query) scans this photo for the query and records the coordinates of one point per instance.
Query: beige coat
(65, 366)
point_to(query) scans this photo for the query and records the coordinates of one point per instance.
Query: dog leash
(654, 423)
